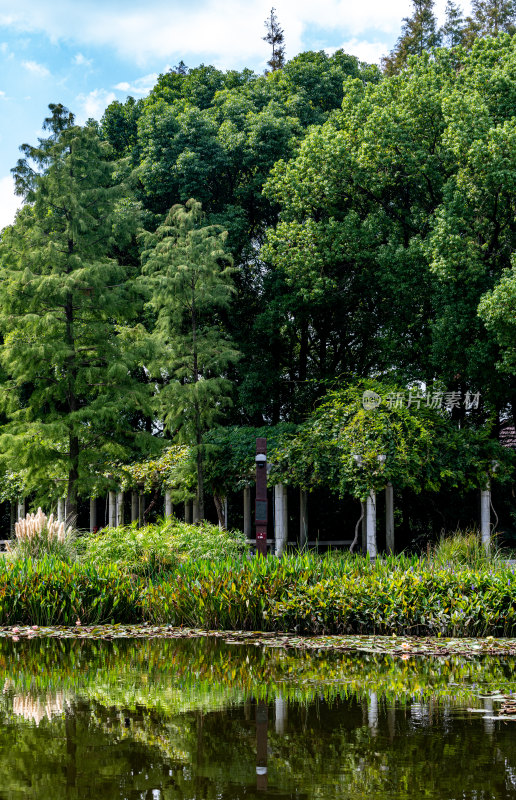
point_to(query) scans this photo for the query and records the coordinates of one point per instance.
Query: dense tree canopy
(369, 219)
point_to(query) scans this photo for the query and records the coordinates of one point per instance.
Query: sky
(87, 53)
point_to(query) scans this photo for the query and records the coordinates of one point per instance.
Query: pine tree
(419, 33)
(275, 38)
(63, 305)
(189, 273)
(452, 32)
(491, 17)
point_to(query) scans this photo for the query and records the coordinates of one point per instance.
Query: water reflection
(202, 719)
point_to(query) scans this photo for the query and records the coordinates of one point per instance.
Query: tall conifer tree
(491, 17)
(189, 272)
(64, 302)
(452, 32)
(419, 33)
(276, 39)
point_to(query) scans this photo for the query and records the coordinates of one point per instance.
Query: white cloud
(140, 86)
(225, 32)
(9, 202)
(36, 69)
(81, 61)
(94, 104)
(371, 52)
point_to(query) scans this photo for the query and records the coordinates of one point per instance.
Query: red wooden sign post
(260, 516)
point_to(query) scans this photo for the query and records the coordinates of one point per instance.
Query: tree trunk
(73, 477)
(220, 511)
(247, 512)
(200, 476)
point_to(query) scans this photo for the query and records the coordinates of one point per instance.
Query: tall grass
(157, 550)
(464, 548)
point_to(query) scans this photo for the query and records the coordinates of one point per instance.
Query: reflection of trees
(178, 675)
(126, 717)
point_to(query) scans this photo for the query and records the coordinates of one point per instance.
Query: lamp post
(260, 516)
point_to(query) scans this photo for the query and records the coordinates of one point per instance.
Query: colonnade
(116, 518)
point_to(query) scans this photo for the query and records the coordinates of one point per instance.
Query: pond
(202, 718)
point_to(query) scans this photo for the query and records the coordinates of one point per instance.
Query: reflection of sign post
(260, 516)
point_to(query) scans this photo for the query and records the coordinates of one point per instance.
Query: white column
(364, 528)
(21, 508)
(119, 509)
(280, 522)
(372, 713)
(93, 514)
(169, 510)
(485, 516)
(489, 722)
(389, 518)
(303, 518)
(280, 714)
(134, 506)
(225, 509)
(112, 510)
(285, 513)
(371, 524)
(61, 509)
(247, 512)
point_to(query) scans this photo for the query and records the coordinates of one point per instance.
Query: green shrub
(156, 550)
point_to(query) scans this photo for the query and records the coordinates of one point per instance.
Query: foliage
(38, 536)
(308, 594)
(301, 593)
(498, 311)
(50, 591)
(402, 201)
(190, 275)
(275, 38)
(464, 549)
(66, 308)
(340, 443)
(168, 470)
(230, 454)
(419, 34)
(491, 18)
(156, 550)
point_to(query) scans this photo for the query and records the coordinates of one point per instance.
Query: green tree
(189, 274)
(418, 34)
(276, 39)
(498, 311)
(452, 32)
(65, 306)
(491, 17)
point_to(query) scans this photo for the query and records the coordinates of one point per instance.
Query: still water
(199, 719)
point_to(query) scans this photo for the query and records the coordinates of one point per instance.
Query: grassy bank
(305, 593)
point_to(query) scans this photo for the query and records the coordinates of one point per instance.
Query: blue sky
(87, 53)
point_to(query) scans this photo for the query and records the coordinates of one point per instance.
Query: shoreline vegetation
(181, 575)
